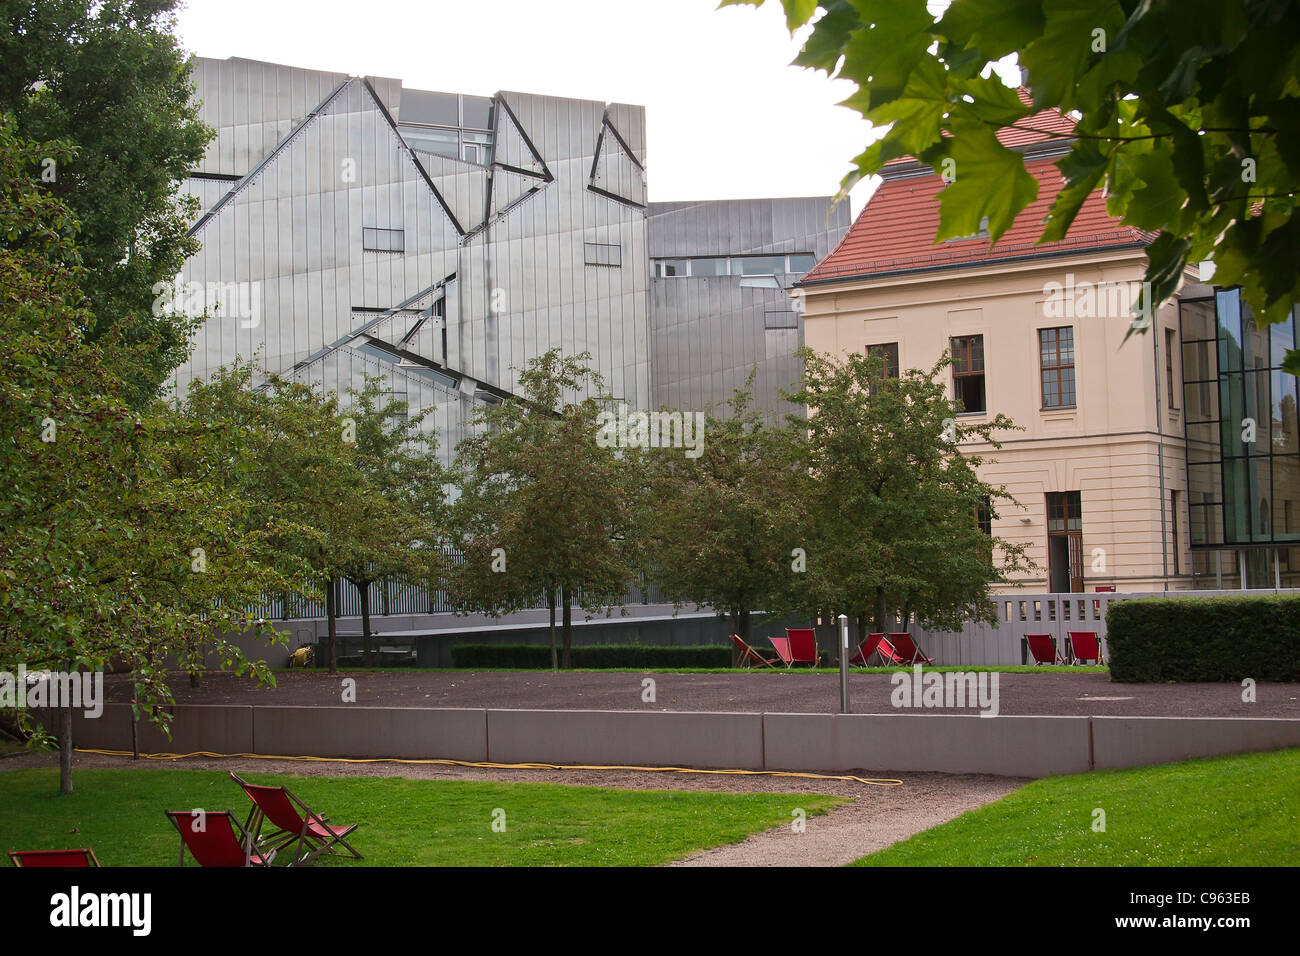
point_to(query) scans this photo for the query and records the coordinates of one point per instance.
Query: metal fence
(979, 644)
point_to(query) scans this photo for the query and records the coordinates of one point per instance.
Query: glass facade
(1243, 458)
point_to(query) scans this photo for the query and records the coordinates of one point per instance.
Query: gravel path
(876, 817)
(786, 692)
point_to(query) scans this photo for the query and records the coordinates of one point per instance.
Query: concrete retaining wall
(640, 738)
(1139, 741)
(949, 743)
(877, 743)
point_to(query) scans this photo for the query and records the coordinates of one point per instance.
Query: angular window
(1056, 358)
(383, 240)
(602, 254)
(785, 319)
(710, 267)
(889, 352)
(801, 262)
(444, 142)
(758, 265)
(968, 372)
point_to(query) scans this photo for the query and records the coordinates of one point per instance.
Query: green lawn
(119, 813)
(1229, 811)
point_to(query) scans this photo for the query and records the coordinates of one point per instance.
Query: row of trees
(866, 508)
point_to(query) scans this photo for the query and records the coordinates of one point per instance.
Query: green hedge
(595, 656)
(1205, 639)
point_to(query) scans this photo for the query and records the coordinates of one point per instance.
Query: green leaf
(1076, 34)
(995, 27)
(1152, 196)
(990, 181)
(1083, 169)
(917, 115)
(883, 56)
(798, 12)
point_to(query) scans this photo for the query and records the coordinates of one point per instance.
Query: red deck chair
(294, 822)
(215, 838)
(748, 656)
(1043, 649)
(907, 650)
(782, 647)
(1084, 646)
(803, 646)
(73, 858)
(888, 654)
(870, 648)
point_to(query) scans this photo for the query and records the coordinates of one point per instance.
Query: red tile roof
(895, 231)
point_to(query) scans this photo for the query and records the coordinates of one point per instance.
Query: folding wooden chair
(907, 650)
(782, 647)
(1042, 647)
(215, 838)
(748, 656)
(803, 646)
(868, 649)
(70, 858)
(295, 822)
(1084, 646)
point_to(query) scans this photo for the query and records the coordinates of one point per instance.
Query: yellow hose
(868, 781)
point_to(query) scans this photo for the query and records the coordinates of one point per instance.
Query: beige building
(1040, 333)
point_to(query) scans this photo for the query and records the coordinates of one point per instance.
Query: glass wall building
(1243, 447)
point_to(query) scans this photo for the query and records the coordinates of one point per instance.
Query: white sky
(727, 117)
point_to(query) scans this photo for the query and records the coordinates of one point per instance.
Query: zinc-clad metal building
(719, 296)
(352, 227)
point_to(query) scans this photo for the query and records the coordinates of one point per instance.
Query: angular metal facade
(707, 332)
(354, 228)
(337, 251)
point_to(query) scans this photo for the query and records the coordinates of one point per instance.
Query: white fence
(1019, 614)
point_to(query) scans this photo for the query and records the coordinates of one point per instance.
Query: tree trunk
(364, 588)
(65, 750)
(550, 600)
(567, 662)
(330, 613)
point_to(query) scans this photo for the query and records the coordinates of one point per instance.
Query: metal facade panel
(716, 327)
(294, 232)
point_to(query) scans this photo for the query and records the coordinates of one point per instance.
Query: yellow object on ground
(869, 781)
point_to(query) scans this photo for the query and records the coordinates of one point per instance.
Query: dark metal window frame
(1225, 384)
